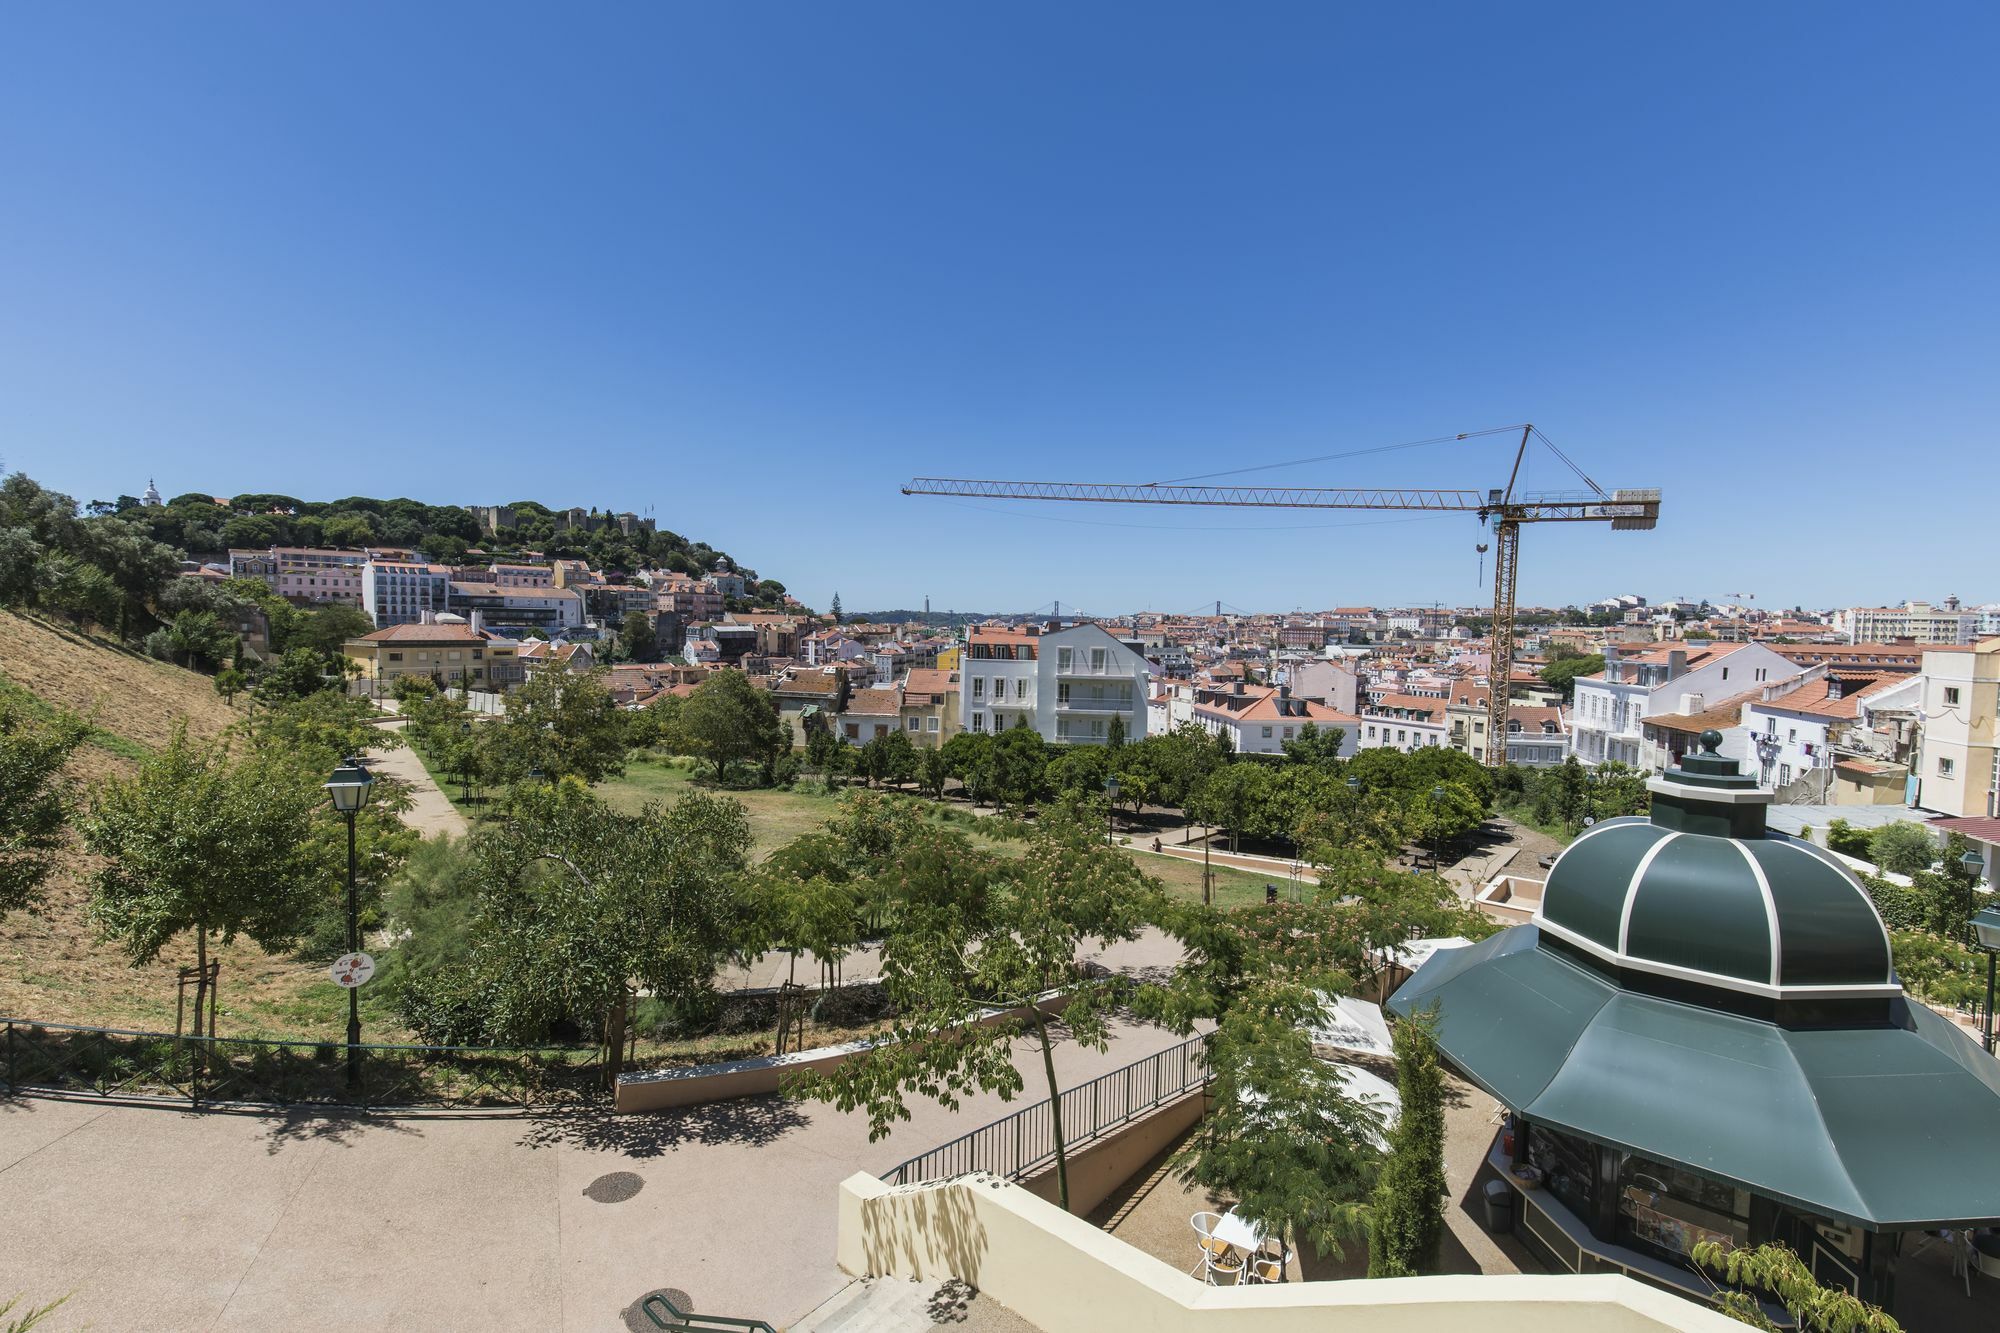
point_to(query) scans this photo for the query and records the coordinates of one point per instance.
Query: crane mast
(1624, 509)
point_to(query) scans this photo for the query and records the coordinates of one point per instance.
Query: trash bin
(1499, 1207)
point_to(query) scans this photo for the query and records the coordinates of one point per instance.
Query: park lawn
(1233, 887)
(776, 817)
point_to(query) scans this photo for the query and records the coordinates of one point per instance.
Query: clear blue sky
(755, 265)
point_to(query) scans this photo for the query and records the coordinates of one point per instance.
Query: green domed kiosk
(1701, 1036)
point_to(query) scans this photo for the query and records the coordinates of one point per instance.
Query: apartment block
(1067, 684)
(1607, 724)
(402, 592)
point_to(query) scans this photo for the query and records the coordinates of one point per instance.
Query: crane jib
(1625, 508)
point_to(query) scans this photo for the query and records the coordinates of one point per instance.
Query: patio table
(1240, 1232)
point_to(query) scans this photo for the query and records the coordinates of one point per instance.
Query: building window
(395, 657)
(1944, 768)
(911, 725)
(853, 731)
(1021, 688)
(1097, 659)
(979, 687)
(1065, 659)
(930, 724)
(1951, 696)
(979, 721)
(1267, 733)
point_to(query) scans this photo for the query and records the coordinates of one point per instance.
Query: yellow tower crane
(1624, 510)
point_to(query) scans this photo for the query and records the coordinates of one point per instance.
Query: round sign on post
(351, 969)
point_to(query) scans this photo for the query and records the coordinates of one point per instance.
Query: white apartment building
(1401, 722)
(1260, 719)
(1946, 625)
(1067, 684)
(1796, 728)
(1607, 722)
(1958, 764)
(399, 592)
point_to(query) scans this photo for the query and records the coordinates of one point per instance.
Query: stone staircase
(889, 1305)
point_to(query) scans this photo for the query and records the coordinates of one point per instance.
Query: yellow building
(947, 658)
(449, 653)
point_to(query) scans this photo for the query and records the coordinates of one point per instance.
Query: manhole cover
(639, 1320)
(616, 1187)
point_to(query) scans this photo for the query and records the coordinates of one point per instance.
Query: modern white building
(1958, 765)
(1067, 684)
(1946, 625)
(1607, 723)
(399, 592)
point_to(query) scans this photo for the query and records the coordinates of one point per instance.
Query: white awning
(1418, 952)
(1348, 1024)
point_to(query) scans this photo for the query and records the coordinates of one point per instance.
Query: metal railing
(1017, 1144)
(60, 1059)
(661, 1312)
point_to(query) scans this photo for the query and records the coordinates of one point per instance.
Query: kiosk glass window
(1668, 1210)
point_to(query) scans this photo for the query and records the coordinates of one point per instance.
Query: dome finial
(1711, 741)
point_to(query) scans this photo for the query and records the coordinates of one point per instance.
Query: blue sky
(755, 265)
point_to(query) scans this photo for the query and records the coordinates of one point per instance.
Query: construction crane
(1625, 510)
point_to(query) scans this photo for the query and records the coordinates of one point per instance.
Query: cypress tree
(1406, 1219)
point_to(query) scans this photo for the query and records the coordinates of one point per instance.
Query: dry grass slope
(120, 691)
(52, 966)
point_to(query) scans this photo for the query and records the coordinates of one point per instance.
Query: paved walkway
(167, 1220)
(432, 813)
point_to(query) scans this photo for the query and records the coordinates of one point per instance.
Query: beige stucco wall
(1063, 1275)
(1104, 1164)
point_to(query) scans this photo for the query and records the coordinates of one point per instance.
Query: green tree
(959, 943)
(1902, 848)
(1561, 673)
(562, 722)
(36, 808)
(636, 642)
(728, 719)
(230, 682)
(933, 771)
(835, 611)
(410, 691)
(1316, 746)
(1406, 1220)
(889, 758)
(583, 903)
(1114, 735)
(1283, 1136)
(198, 841)
(1776, 1269)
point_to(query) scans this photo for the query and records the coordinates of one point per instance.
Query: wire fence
(64, 1060)
(1017, 1144)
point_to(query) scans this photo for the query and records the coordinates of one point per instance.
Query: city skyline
(759, 270)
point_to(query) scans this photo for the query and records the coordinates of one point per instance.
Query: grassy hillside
(52, 967)
(133, 701)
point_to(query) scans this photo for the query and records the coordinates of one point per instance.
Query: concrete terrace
(164, 1219)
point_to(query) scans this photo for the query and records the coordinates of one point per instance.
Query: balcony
(1085, 704)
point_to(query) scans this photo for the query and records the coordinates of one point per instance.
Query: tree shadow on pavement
(747, 1120)
(324, 1125)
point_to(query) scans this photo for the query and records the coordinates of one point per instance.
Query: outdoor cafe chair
(1266, 1268)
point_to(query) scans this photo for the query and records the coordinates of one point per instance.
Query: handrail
(688, 1319)
(1027, 1136)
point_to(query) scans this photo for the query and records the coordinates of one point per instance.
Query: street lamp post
(1111, 807)
(1986, 926)
(349, 788)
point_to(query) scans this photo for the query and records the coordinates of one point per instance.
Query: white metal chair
(1265, 1268)
(1217, 1256)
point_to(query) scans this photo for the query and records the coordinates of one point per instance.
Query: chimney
(427, 617)
(1236, 687)
(1677, 663)
(477, 620)
(1284, 691)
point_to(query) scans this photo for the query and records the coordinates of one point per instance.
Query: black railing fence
(64, 1060)
(1019, 1143)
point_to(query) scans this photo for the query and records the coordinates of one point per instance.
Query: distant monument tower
(152, 495)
